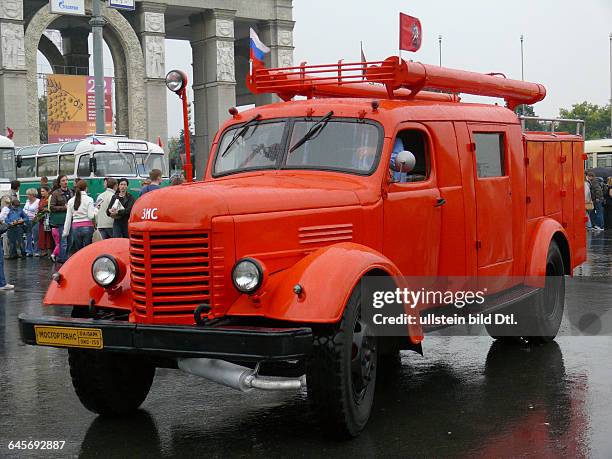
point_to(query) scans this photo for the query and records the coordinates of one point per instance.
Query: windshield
(342, 145)
(145, 162)
(260, 147)
(114, 163)
(7, 163)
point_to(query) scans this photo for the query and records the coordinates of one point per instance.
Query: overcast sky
(567, 45)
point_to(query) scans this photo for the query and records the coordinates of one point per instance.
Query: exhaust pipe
(238, 377)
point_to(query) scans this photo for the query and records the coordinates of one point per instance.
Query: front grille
(170, 272)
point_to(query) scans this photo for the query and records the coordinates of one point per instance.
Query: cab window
(489, 154)
(414, 141)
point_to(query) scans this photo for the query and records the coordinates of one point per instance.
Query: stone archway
(128, 57)
(51, 53)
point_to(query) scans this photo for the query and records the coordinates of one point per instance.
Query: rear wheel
(341, 372)
(539, 317)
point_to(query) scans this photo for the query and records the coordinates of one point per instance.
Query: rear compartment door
(493, 194)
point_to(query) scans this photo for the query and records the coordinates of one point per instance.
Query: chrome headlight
(247, 275)
(105, 270)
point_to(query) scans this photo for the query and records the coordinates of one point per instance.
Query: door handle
(440, 202)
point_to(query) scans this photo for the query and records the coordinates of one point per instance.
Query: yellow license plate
(89, 338)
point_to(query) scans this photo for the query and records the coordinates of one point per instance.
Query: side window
(27, 168)
(414, 141)
(490, 157)
(47, 166)
(83, 169)
(66, 165)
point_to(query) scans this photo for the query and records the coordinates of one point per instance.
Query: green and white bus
(91, 159)
(7, 164)
(599, 153)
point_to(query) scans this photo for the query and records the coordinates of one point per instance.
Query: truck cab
(254, 277)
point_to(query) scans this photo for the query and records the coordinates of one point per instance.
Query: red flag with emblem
(10, 133)
(410, 33)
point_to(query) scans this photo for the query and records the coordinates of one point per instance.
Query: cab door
(493, 198)
(412, 214)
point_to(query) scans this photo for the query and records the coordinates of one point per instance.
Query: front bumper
(222, 342)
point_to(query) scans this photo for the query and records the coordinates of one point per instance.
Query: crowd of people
(58, 221)
(598, 201)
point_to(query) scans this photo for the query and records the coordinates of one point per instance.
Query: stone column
(152, 34)
(214, 81)
(277, 34)
(13, 87)
(76, 51)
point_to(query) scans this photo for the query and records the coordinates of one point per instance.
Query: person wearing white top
(80, 212)
(3, 214)
(31, 209)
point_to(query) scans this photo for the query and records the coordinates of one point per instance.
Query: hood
(197, 203)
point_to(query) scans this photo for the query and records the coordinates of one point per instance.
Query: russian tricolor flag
(258, 50)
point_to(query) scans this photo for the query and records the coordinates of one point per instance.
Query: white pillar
(152, 34)
(214, 81)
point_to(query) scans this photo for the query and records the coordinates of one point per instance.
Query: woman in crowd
(3, 214)
(57, 217)
(120, 207)
(80, 212)
(31, 209)
(42, 217)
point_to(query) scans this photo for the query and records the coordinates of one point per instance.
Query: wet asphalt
(467, 396)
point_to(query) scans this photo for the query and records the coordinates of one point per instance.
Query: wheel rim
(363, 359)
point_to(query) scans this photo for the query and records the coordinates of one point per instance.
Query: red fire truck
(251, 277)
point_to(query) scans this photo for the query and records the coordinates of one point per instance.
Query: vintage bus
(599, 153)
(7, 164)
(92, 159)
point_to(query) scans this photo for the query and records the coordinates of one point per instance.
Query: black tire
(110, 383)
(341, 372)
(539, 317)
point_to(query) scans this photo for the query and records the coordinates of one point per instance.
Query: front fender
(543, 233)
(327, 277)
(77, 287)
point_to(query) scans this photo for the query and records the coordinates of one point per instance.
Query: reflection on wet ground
(467, 396)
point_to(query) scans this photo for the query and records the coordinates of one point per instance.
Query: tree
(596, 118)
(43, 128)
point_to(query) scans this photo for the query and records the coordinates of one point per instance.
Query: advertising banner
(71, 110)
(74, 7)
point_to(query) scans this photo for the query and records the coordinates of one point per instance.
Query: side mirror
(404, 161)
(92, 164)
(18, 161)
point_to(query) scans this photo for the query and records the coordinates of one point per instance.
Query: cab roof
(5, 142)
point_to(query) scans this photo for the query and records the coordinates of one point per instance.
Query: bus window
(66, 164)
(49, 148)
(7, 163)
(83, 169)
(70, 146)
(27, 168)
(47, 166)
(29, 150)
(145, 162)
(110, 163)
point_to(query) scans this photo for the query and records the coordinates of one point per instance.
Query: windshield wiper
(316, 128)
(240, 133)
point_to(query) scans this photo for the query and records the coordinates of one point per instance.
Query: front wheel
(109, 383)
(341, 372)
